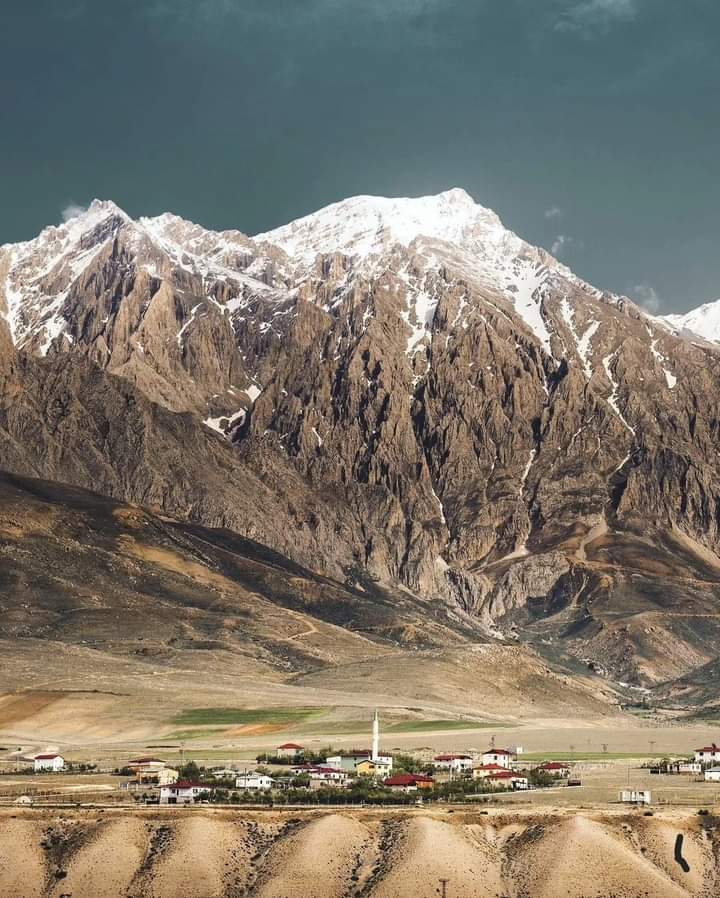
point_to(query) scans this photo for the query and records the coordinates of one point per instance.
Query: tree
(190, 771)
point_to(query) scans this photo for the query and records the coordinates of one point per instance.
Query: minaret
(376, 737)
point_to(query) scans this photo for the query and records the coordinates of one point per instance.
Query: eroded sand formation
(209, 853)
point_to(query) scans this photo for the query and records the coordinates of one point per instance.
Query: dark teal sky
(593, 125)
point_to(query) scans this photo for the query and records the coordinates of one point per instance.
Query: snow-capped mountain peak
(366, 225)
(703, 321)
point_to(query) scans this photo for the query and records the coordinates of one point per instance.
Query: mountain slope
(100, 596)
(396, 388)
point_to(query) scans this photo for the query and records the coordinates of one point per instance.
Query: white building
(636, 796)
(254, 781)
(182, 793)
(454, 763)
(49, 762)
(712, 775)
(692, 767)
(501, 756)
(710, 754)
(347, 760)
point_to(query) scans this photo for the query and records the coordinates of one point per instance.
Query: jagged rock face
(411, 388)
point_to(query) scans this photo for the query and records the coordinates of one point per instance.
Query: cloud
(646, 297)
(559, 244)
(562, 243)
(590, 16)
(72, 210)
(553, 212)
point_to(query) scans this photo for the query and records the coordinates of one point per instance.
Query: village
(292, 773)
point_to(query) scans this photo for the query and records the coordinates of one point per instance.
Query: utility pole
(652, 747)
(443, 888)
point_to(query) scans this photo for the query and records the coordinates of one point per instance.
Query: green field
(196, 734)
(431, 726)
(220, 717)
(209, 722)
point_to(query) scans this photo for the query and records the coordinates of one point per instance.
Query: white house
(500, 756)
(49, 762)
(254, 781)
(183, 792)
(710, 754)
(712, 775)
(454, 763)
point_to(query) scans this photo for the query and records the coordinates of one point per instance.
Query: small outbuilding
(712, 775)
(556, 769)
(636, 796)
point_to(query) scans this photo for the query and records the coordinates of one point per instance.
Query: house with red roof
(409, 782)
(506, 779)
(289, 750)
(52, 761)
(183, 792)
(501, 756)
(555, 768)
(709, 754)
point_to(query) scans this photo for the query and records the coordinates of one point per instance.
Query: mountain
(703, 322)
(394, 389)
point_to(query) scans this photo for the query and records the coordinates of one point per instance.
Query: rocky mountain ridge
(399, 387)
